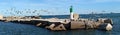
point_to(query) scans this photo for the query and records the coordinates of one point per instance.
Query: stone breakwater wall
(68, 25)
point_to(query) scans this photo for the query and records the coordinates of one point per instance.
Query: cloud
(28, 4)
(107, 0)
(85, 1)
(60, 5)
(53, 2)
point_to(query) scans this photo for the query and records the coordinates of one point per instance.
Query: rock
(109, 27)
(59, 27)
(38, 24)
(51, 26)
(105, 26)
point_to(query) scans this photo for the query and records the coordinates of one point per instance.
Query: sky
(59, 7)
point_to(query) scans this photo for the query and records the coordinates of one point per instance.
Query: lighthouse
(71, 13)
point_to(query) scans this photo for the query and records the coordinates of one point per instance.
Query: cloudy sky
(61, 7)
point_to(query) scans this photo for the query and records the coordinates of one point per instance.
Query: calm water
(7, 28)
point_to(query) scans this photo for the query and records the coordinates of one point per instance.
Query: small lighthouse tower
(71, 13)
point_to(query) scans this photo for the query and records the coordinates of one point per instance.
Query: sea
(8, 28)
